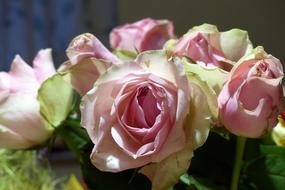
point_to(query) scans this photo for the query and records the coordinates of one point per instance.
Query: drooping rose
(146, 34)
(89, 57)
(208, 47)
(21, 124)
(249, 102)
(136, 115)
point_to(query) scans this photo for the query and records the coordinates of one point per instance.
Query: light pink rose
(21, 124)
(84, 53)
(146, 34)
(249, 102)
(136, 115)
(208, 47)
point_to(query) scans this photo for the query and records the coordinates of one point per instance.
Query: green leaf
(55, 97)
(267, 172)
(272, 150)
(76, 138)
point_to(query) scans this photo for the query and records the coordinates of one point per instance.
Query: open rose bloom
(136, 114)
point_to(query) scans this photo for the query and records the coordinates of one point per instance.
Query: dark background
(28, 25)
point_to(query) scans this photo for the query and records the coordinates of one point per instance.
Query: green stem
(240, 144)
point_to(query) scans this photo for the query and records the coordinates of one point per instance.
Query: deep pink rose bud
(250, 101)
(146, 34)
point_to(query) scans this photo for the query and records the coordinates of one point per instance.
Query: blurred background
(29, 25)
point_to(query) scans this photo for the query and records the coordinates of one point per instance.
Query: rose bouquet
(158, 112)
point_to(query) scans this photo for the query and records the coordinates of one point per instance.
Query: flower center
(148, 104)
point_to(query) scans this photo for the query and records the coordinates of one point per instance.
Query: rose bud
(251, 99)
(208, 47)
(21, 124)
(146, 34)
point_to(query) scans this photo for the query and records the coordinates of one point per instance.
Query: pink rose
(21, 124)
(146, 34)
(135, 115)
(84, 53)
(209, 47)
(249, 102)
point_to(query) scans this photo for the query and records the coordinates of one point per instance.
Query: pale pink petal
(20, 113)
(106, 156)
(23, 78)
(4, 86)
(83, 75)
(156, 37)
(125, 39)
(43, 65)
(87, 46)
(146, 34)
(12, 140)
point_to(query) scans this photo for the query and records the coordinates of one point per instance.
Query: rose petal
(20, 113)
(167, 172)
(43, 65)
(87, 46)
(83, 75)
(4, 86)
(23, 78)
(12, 140)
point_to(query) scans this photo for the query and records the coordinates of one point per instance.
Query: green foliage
(75, 137)
(211, 167)
(268, 170)
(19, 170)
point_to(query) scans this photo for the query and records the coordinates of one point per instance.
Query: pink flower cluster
(152, 101)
